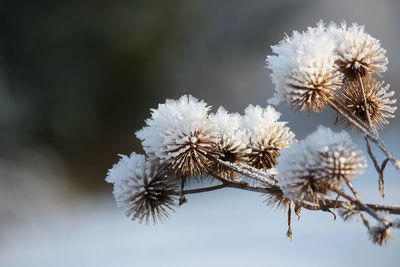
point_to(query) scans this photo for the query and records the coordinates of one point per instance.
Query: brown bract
(232, 152)
(191, 156)
(265, 150)
(148, 198)
(377, 98)
(311, 91)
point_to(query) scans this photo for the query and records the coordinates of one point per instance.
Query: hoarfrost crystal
(178, 134)
(359, 53)
(318, 164)
(140, 189)
(266, 135)
(303, 69)
(232, 146)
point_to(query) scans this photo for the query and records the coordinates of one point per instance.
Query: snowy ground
(226, 228)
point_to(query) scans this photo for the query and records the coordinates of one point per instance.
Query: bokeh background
(78, 78)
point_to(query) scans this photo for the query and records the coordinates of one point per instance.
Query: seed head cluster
(183, 142)
(333, 65)
(326, 65)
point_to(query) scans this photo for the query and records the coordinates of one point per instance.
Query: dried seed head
(140, 189)
(312, 88)
(359, 54)
(178, 134)
(266, 136)
(380, 234)
(340, 161)
(303, 69)
(312, 168)
(379, 103)
(231, 146)
(265, 148)
(188, 154)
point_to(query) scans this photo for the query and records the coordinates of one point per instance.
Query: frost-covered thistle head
(380, 234)
(179, 135)
(380, 106)
(359, 54)
(266, 135)
(303, 69)
(313, 167)
(140, 189)
(231, 145)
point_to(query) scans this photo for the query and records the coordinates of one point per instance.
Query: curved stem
(324, 205)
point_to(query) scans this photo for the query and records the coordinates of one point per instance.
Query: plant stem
(320, 205)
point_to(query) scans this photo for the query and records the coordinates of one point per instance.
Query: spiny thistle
(359, 54)
(379, 104)
(231, 145)
(179, 135)
(312, 168)
(266, 136)
(303, 69)
(140, 189)
(380, 234)
(325, 65)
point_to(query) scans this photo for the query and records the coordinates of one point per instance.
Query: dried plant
(379, 105)
(140, 188)
(359, 54)
(335, 66)
(179, 135)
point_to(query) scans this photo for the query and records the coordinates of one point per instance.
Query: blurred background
(78, 78)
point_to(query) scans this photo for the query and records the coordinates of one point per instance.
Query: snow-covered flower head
(178, 134)
(317, 164)
(140, 189)
(359, 54)
(304, 70)
(266, 135)
(380, 234)
(232, 147)
(379, 102)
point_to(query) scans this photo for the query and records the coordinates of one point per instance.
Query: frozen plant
(336, 66)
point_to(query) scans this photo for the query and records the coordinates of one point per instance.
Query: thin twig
(372, 156)
(324, 205)
(197, 190)
(361, 205)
